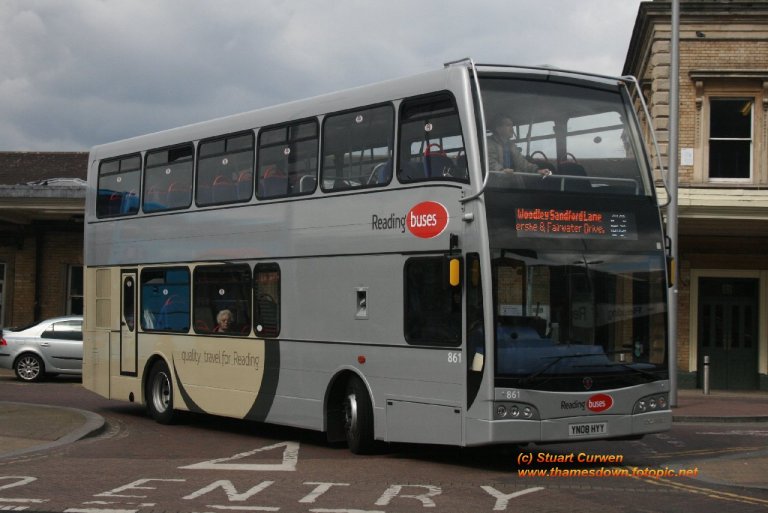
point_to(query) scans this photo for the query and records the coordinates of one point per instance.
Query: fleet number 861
(454, 357)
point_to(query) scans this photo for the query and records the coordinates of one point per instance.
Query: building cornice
(721, 203)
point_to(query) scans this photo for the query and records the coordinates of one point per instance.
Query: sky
(76, 73)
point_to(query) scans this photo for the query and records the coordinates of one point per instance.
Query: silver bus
(389, 263)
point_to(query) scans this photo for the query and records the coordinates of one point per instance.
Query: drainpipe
(38, 275)
(674, 104)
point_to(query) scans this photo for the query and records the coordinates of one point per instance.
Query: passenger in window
(224, 322)
(503, 154)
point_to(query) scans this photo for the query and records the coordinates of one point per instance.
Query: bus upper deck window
(168, 178)
(287, 160)
(118, 188)
(431, 140)
(225, 170)
(357, 148)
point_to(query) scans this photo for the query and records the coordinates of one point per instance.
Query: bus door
(128, 331)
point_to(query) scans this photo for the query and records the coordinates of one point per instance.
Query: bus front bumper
(568, 429)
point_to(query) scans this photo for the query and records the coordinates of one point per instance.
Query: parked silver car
(53, 346)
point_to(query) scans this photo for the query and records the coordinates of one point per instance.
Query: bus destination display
(568, 223)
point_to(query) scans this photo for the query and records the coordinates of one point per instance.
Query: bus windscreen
(562, 137)
(563, 316)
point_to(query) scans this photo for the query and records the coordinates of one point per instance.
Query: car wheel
(159, 394)
(358, 417)
(29, 367)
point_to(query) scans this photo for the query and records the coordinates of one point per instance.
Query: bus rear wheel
(159, 393)
(358, 417)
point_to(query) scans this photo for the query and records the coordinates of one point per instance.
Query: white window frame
(751, 177)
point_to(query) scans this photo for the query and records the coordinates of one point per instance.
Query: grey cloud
(84, 72)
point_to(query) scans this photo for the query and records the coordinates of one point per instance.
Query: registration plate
(590, 429)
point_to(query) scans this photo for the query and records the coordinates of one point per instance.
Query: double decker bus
(352, 264)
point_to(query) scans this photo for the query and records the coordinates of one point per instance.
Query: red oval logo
(427, 219)
(599, 402)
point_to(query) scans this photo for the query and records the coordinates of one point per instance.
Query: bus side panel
(96, 361)
(97, 325)
(122, 387)
(423, 423)
(323, 334)
(414, 393)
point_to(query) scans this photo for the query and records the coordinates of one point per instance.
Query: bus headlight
(656, 402)
(506, 410)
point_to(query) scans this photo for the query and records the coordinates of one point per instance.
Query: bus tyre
(159, 393)
(29, 367)
(358, 417)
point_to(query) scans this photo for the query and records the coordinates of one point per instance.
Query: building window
(730, 138)
(75, 290)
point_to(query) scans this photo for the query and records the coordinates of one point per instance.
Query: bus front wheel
(159, 393)
(358, 417)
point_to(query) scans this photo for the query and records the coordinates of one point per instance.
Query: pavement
(27, 428)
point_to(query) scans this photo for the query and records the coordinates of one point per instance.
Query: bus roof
(451, 76)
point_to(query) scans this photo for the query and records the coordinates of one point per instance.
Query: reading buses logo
(426, 220)
(596, 403)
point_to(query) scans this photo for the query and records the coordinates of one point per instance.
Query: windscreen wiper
(555, 359)
(629, 366)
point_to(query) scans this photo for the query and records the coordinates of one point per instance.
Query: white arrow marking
(290, 459)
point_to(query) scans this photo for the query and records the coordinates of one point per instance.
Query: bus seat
(341, 184)
(437, 166)
(412, 170)
(203, 194)
(307, 183)
(130, 203)
(203, 319)
(573, 169)
(273, 182)
(436, 163)
(179, 195)
(268, 315)
(154, 199)
(174, 315)
(222, 190)
(114, 204)
(244, 185)
(462, 165)
(381, 173)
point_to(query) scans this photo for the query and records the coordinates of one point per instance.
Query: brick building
(723, 178)
(42, 200)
